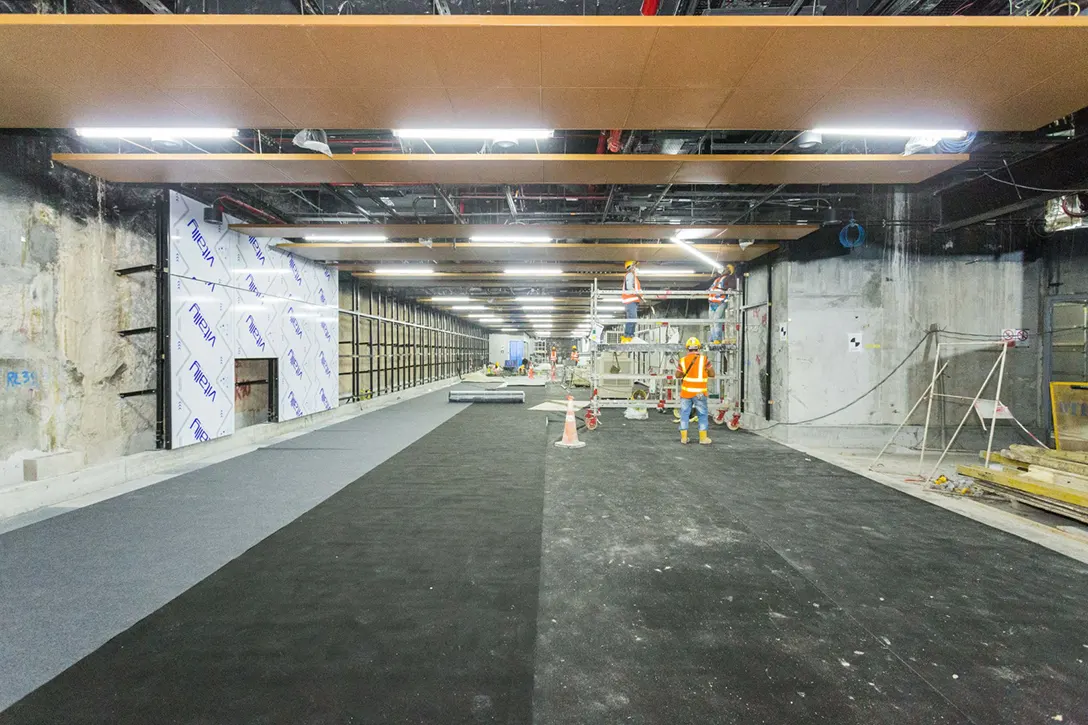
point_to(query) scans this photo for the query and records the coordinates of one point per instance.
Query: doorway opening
(256, 397)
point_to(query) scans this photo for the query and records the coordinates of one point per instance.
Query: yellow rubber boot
(684, 437)
(704, 439)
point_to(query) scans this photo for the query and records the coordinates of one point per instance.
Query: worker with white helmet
(630, 296)
(693, 371)
(717, 295)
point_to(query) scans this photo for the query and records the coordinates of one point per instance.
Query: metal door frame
(1047, 341)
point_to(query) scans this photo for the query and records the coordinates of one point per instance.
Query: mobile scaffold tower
(644, 370)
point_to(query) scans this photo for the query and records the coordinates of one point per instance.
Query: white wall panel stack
(234, 296)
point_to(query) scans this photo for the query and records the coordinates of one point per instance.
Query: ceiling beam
(1017, 187)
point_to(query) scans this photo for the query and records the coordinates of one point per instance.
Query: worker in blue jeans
(718, 296)
(693, 371)
(630, 296)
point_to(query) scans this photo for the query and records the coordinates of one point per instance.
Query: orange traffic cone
(570, 428)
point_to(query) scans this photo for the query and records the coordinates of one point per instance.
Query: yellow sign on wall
(1069, 407)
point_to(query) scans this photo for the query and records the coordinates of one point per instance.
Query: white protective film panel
(234, 296)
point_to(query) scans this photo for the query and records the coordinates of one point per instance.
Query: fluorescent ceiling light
(665, 272)
(468, 307)
(474, 134)
(892, 132)
(157, 133)
(538, 317)
(345, 238)
(410, 271)
(538, 307)
(450, 299)
(694, 233)
(610, 308)
(533, 271)
(527, 238)
(686, 246)
(534, 299)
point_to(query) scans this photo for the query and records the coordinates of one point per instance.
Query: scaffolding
(642, 373)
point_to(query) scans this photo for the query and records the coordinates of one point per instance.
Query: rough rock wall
(62, 362)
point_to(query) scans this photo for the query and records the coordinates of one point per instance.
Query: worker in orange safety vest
(574, 354)
(630, 296)
(717, 294)
(555, 355)
(693, 371)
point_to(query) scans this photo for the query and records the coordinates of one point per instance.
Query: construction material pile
(1056, 481)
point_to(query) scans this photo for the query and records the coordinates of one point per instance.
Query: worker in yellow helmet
(574, 354)
(718, 296)
(630, 296)
(693, 371)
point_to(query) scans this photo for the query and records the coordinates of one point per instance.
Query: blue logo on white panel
(202, 324)
(294, 362)
(201, 242)
(325, 329)
(202, 380)
(294, 321)
(257, 337)
(325, 400)
(324, 364)
(294, 270)
(251, 285)
(257, 249)
(200, 434)
(294, 403)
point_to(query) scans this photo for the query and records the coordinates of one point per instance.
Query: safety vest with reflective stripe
(574, 355)
(694, 383)
(554, 356)
(630, 293)
(717, 290)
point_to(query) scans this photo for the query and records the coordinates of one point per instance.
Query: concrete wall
(62, 362)
(891, 305)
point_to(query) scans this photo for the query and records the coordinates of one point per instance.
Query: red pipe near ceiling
(649, 7)
(600, 142)
(614, 140)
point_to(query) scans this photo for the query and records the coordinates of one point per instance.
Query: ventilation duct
(314, 139)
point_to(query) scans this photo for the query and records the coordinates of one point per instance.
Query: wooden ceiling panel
(749, 108)
(480, 56)
(496, 107)
(303, 106)
(270, 55)
(620, 170)
(709, 171)
(343, 253)
(814, 57)
(925, 60)
(594, 57)
(229, 107)
(703, 57)
(460, 169)
(840, 107)
(516, 168)
(675, 107)
(155, 50)
(1001, 73)
(776, 232)
(585, 107)
(368, 57)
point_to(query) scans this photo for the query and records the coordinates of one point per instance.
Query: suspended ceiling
(553, 231)
(749, 72)
(513, 168)
(347, 254)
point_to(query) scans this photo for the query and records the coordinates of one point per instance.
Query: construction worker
(693, 371)
(574, 354)
(630, 296)
(555, 355)
(717, 296)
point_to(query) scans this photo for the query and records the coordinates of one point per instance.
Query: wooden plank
(1058, 493)
(1042, 457)
(576, 72)
(643, 169)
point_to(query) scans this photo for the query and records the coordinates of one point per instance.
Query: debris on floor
(1051, 480)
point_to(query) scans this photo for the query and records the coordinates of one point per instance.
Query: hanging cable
(857, 229)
